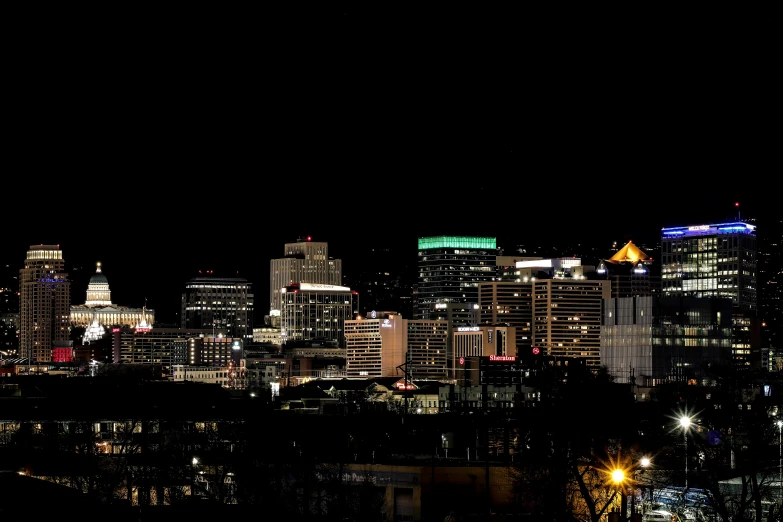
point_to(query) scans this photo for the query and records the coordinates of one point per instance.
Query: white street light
(685, 422)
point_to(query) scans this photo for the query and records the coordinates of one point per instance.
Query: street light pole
(618, 476)
(780, 463)
(685, 422)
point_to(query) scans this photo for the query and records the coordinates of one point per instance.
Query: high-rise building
(711, 261)
(305, 261)
(375, 346)
(314, 311)
(44, 305)
(629, 270)
(648, 341)
(717, 261)
(219, 303)
(560, 316)
(450, 270)
(426, 354)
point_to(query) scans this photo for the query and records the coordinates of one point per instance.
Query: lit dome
(98, 293)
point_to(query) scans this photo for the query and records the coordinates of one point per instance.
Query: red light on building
(309, 238)
(536, 350)
(736, 204)
(62, 355)
(462, 360)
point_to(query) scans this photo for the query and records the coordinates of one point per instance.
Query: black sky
(193, 141)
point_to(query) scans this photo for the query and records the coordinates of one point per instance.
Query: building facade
(305, 261)
(219, 303)
(426, 354)
(160, 347)
(314, 311)
(558, 317)
(98, 312)
(482, 341)
(450, 269)
(717, 261)
(375, 346)
(44, 305)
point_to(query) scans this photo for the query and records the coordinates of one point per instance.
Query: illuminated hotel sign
(467, 328)
(330, 288)
(142, 329)
(700, 230)
(502, 358)
(386, 323)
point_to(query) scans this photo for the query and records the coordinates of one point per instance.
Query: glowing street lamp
(618, 477)
(685, 422)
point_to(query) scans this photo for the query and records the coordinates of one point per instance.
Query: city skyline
(143, 267)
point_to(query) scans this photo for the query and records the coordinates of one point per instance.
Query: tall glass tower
(450, 269)
(717, 261)
(711, 261)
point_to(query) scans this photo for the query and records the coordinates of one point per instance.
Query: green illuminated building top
(457, 242)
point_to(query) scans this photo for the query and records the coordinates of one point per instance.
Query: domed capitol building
(98, 312)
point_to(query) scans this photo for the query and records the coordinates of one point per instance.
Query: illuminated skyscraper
(219, 303)
(44, 306)
(717, 261)
(304, 262)
(450, 269)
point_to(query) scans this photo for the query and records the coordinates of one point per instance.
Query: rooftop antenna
(738, 211)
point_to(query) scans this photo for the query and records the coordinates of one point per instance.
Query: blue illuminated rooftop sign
(708, 230)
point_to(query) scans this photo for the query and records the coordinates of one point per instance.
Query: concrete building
(305, 261)
(560, 316)
(166, 347)
(482, 341)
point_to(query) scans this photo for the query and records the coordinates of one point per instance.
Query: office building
(426, 354)
(558, 317)
(305, 261)
(482, 341)
(375, 346)
(387, 345)
(219, 303)
(98, 312)
(504, 302)
(717, 261)
(314, 311)
(44, 306)
(450, 268)
(163, 348)
(649, 341)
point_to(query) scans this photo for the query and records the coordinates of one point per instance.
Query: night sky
(176, 147)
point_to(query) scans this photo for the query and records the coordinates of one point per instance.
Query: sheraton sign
(502, 358)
